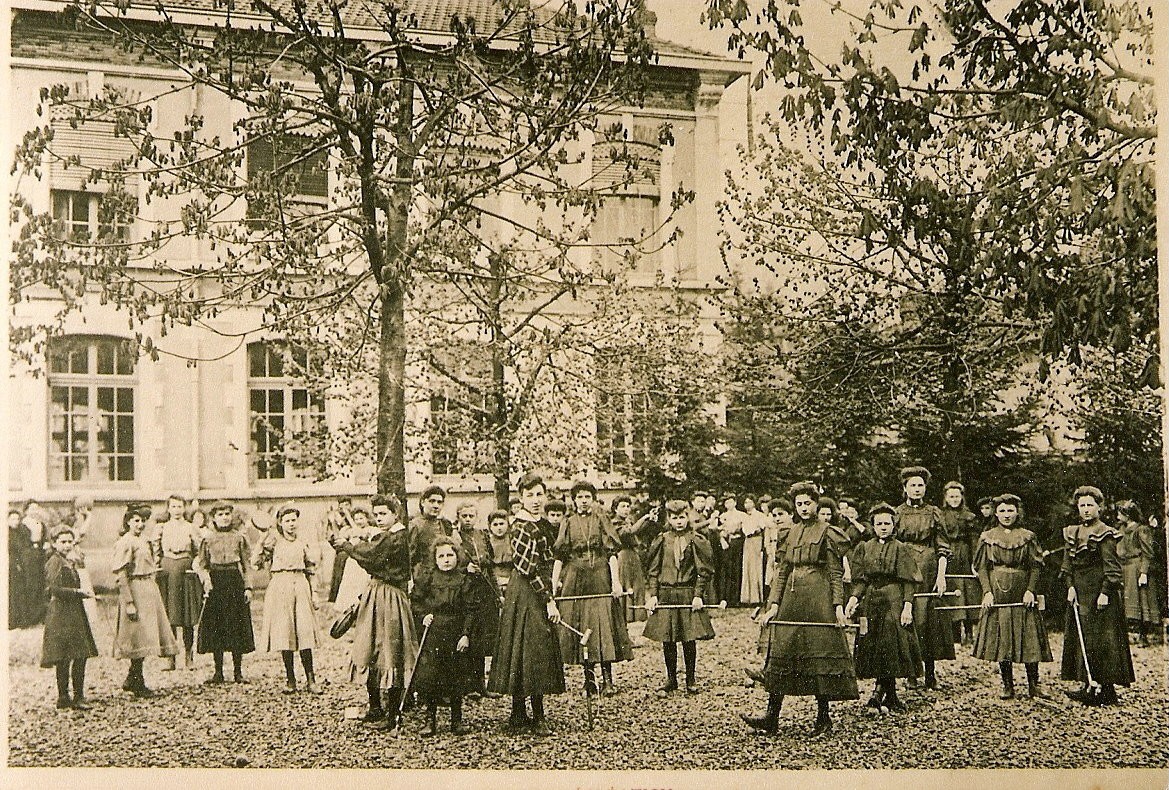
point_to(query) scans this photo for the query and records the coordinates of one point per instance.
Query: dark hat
(1091, 491)
(804, 487)
(915, 471)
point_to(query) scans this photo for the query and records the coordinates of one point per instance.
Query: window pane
(124, 468)
(124, 356)
(125, 400)
(105, 399)
(256, 356)
(78, 469)
(105, 359)
(124, 436)
(300, 400)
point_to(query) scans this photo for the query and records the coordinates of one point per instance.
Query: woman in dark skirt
(1096, 591)
(527, 655)
(383, 653)
(1137, 556)
(225, 625)
(489, 566)
(25, 575)
(679, 569)
(587, 563)
(730, 527)
(68, 639)
(181, 590)
(1008, 561)
(808, 660)
(884, 578)
(443, 606)
(920, 527)
(962, 529)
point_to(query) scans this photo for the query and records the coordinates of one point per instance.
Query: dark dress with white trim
(1091, 565)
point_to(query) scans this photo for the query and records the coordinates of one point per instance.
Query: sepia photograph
(620, 390)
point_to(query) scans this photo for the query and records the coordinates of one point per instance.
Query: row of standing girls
(900, 590)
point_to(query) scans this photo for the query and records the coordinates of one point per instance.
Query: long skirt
(751, 585)
(1104, 633)
(935, 634)
(527, 655)
(731, 571)
(290, 622)
(149, 635)
(809, 660)
(969, 590)
(181, 591)
(605, 616)
(886, 649)
(226, 625)
(678, 625)
(384, 638)
(353, 583)
(485, 628)
(443, 672)
(1015, 634)
(67, 636)
(1140, 603)
(632, 576)
(26, 590)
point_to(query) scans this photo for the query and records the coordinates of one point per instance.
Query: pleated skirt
(609, 640)
(149, 635)
(384, 637)
(678, 625)
(527, 654)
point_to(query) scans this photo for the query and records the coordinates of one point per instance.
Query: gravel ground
(963, 725)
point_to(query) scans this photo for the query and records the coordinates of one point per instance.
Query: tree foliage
(1052, 105)
(417, 135)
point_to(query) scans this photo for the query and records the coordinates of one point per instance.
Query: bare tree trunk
(391, 413)
(500, 428)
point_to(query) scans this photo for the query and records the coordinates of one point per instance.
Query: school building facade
(91, 416)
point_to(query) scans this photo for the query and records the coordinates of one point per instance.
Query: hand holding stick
(410, 677)
(720, 605)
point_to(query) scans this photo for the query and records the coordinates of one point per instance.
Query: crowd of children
(440, 610)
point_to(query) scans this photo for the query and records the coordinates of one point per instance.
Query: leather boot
(431, 720)
(823, 724)
(457, 727)
(769, 721)
(607, 687)
(1034, 690)
(1008, 676)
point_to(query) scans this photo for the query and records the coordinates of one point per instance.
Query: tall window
(624, 410)
(83, 217)
(286, 171)
(287, 417)
(461, 440)
(91, 410)
(627, 172)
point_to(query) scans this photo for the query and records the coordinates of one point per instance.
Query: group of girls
(900, 565)
(543, 586)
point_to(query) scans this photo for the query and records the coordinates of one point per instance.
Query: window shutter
(96, 147)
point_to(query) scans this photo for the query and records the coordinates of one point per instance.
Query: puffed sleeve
(562, 547)
(1145, 545)
(860, 582)
(653, 564)
(58, 580)
(704, 568)
(1034, 562)
(1113, 570)
(835, 545)
(123, 555)
(610, 539)
(263, 554)
(941, 542)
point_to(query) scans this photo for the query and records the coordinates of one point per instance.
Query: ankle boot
(1008, 676)
(1034, 690)
(607, 687)
(878, 695)
(823, 724)
(457, 727)
(390, 700)
(431, 721)
(769, 721)
(931, 680)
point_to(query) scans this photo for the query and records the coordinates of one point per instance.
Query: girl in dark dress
(679, 574)
(1096, 590)
(25, 588)
(1137, 556)
(730, 527)
(920, 527)
(807, 660)
(884, 575)
(384, 646)
(68, 640)
(1008, 561)
(225, 625)
(630, 571)
(587, 563)
(443, 606)
(489, 566)
(527, 656)
(962, 530)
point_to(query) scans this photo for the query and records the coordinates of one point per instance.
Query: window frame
(631, 415)
(288, 386)
(91, 380)
(95, 230)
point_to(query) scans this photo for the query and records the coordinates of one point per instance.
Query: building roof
(426, 18)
